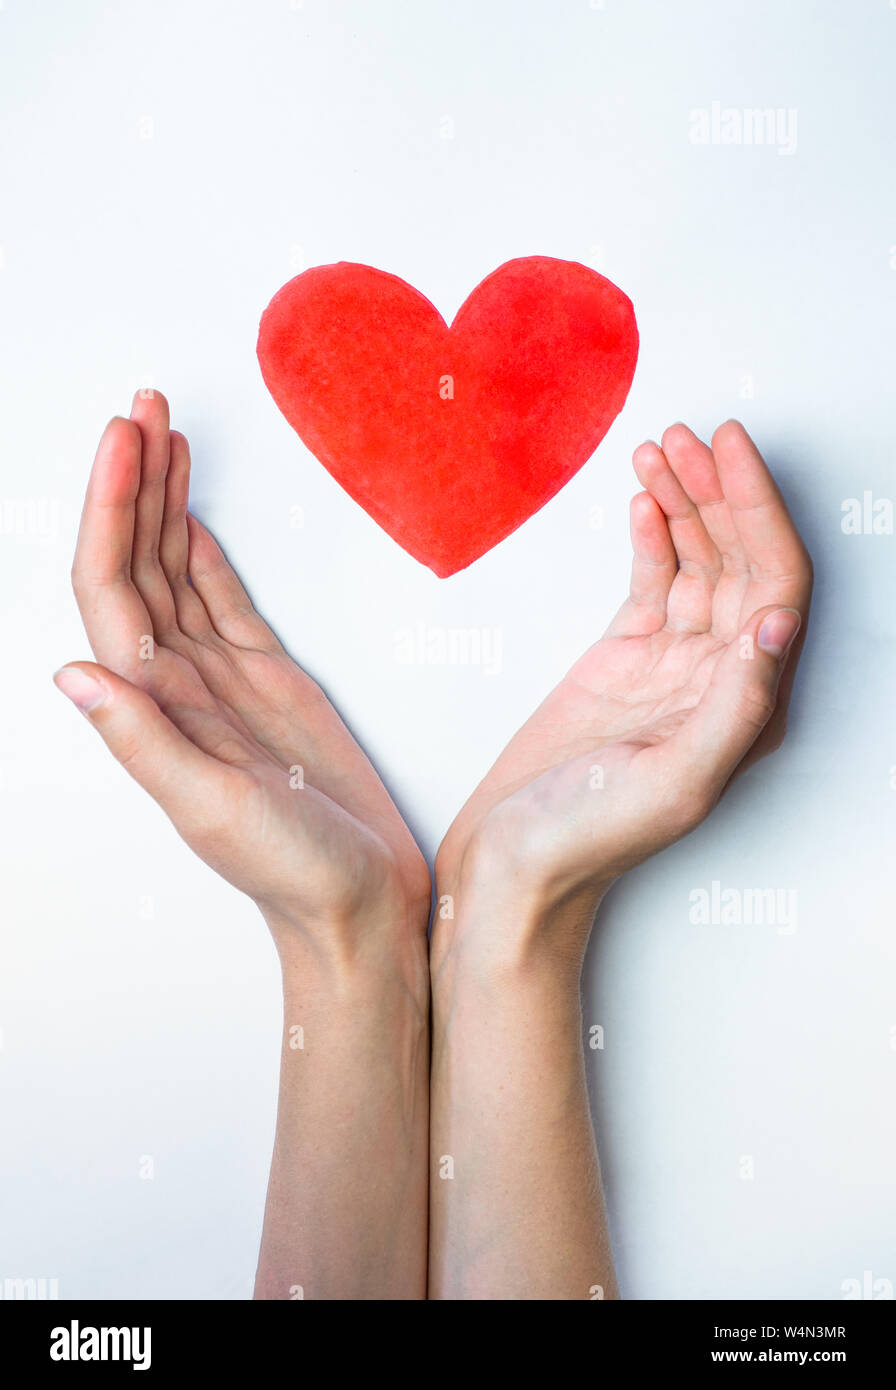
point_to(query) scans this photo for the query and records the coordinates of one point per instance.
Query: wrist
(497, 922)
(512, 852)
(366, 951)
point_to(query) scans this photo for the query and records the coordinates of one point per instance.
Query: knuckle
(128, 751)
(231, 749)
(693, 808)
(755, 706)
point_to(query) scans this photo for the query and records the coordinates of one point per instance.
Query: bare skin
(689, 686)
(202, 705)
(198, 700)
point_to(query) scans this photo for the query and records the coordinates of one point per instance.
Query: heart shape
(450, 438)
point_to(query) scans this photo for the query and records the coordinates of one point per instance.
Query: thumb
(741, 697)
(187, 783)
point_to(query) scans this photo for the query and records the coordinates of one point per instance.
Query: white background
(165, 168)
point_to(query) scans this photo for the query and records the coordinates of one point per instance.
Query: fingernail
(778, 631)
(81, 689)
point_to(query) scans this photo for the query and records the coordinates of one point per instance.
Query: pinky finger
(228, 605)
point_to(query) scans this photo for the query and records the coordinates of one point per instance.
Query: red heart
(450, 437)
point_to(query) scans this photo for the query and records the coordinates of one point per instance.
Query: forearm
(516, 1207)
(346, 1211)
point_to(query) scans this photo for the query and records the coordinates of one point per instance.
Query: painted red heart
(450, 438)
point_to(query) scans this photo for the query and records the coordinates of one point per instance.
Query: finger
(191, 786)
(654, 567)
(772, 735)
(115, 616)
(739, 701)
(106, 534)
(174, 543)
(694, 466)
(226, 601)
(689, 607)
(118, 623)
(149, 412)
(772, 545)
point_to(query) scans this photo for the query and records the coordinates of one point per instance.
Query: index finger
(771, 542)
(115, 616)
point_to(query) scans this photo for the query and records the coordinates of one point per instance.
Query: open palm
(198, 699)
(689, 685)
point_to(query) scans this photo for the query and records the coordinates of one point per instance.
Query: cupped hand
(689, 685)
(199, 701)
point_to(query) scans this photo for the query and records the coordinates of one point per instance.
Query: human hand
(201, 704)
(689, 685)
